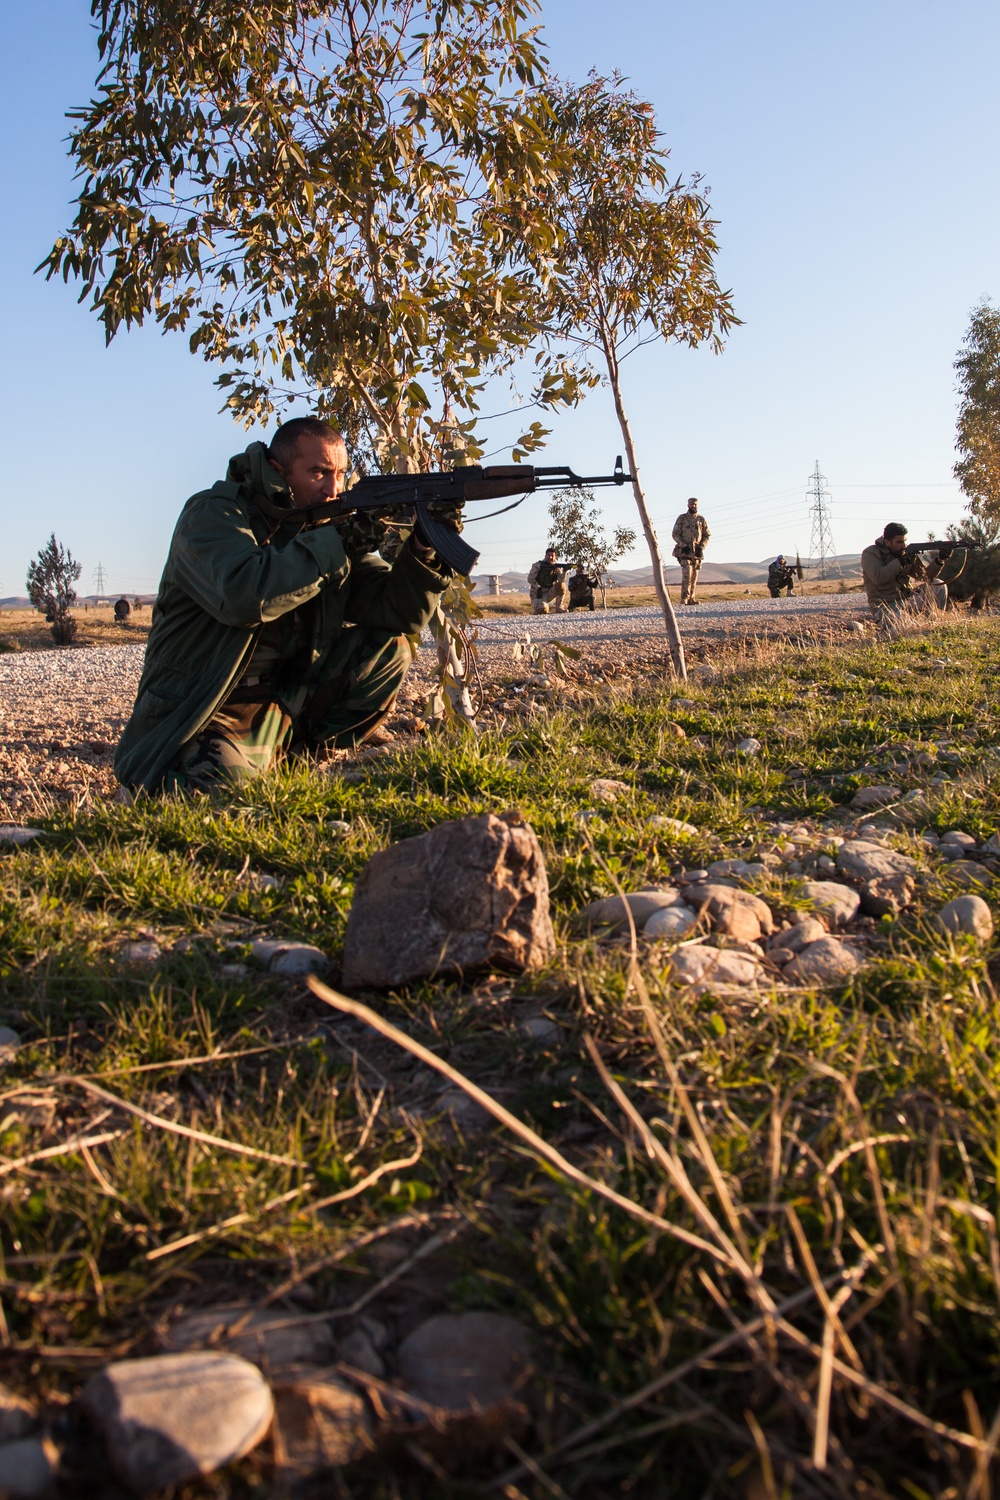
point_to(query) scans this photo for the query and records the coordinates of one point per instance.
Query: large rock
(464, 1361)
(833, 903)
(611, 911)
(263, 1335)
(464, 896)
(177, 1416)
(859, 860)
(966, 914)
(733, 912)
(320, 1422)
(827, 961)
(702, 968)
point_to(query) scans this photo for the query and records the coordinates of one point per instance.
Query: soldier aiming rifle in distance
(690, 536)
(781, 575)
(897, 580)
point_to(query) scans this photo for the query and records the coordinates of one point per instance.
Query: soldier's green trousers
(262, 721)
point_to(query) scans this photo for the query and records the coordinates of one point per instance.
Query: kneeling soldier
(581, 590)
(547, 584)
(266, 636)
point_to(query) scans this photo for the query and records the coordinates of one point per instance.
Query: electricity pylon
(100, 582)
(821, 546)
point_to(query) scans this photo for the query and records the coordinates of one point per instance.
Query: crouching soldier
(581, 590)
(267, 637)
(547, 584)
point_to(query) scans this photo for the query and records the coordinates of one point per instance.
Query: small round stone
(966, 914)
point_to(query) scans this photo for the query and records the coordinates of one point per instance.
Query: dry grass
(26, 630)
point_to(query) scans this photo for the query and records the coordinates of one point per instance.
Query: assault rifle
(912, 550)
(952, 556)
(451, 489)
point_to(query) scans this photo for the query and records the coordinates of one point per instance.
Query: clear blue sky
(852, 156)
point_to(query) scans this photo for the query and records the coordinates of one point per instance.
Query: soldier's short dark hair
(284, 444)
(894, 528)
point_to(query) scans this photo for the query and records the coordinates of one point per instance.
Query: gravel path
(63, 711)
(719, 616)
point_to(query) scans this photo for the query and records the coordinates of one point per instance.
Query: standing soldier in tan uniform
(690, 535)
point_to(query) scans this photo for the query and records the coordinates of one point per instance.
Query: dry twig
(537, 1144)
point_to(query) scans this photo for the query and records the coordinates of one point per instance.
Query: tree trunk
(659, 577)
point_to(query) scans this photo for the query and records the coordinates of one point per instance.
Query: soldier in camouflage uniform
(268, 635)
(547, 584)
(690, 535)
(581, 589)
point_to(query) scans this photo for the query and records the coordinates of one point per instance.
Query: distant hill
(12, 602)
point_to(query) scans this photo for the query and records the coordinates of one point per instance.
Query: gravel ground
(63, 711)
(719, 615)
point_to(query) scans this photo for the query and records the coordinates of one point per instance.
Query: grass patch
(845, 1138)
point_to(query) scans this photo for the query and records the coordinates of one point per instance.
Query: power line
(821, 546)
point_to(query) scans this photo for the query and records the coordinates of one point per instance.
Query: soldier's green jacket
(224, 580)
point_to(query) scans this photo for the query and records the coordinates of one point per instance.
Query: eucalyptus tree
(978, 436)
(311, 192)
(637, 257)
